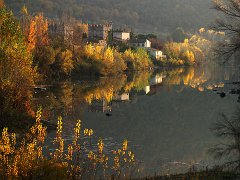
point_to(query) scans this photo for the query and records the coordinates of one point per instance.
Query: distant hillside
(158, 16)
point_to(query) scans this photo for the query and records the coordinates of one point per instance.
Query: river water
(166, 115)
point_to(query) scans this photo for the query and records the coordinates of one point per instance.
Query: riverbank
(203, 175)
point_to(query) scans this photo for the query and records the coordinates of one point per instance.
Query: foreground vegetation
(211, 174)
(30, 157)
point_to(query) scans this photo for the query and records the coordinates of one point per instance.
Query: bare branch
(230, 25)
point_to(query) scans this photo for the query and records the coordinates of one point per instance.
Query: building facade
(121, 35)
(99, 31)
(145, 43)
(63, 30)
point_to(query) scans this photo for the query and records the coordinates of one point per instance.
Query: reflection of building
(147, 89)
(157, 79)
(140, 43)
(100, 106)
(121, 97)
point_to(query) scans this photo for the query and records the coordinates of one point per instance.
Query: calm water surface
(166, 115)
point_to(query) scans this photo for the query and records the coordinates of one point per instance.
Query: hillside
(158, 16)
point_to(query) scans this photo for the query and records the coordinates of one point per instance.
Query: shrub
(30, 158)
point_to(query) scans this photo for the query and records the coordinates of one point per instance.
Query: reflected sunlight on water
(166, 115)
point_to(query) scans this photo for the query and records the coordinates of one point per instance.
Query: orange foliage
(1, 3)
(38, 32)
(32, 36)
(41, 30)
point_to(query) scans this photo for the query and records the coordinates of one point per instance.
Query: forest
(156, 16)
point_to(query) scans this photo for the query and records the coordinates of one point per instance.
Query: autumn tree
(137, 59)
(46, 58)
(64, 63)
(38, 44)
(25, 21)
(31, 37)
(41, 28)
(194, 50)
(230, 24)
(179, 35)
(1, 3)
(16, 71)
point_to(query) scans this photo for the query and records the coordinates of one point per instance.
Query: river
(166, 115)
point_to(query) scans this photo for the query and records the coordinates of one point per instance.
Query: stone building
(63, 30)
(99, 31)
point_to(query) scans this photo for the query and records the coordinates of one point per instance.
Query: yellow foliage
(108, 55)
(24, 10)
(26, 159)
(202, 30)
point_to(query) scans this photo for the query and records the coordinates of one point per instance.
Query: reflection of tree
(229, 130)
(102, 89)
(69, 99)
(191, 77)
(66, 97)
(57, 101)
(138, 81)
(188, 76)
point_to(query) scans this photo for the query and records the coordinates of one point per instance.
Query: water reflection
(229, 148)
(164, 114)
(98, 95)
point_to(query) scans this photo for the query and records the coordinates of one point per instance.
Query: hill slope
(161, 16)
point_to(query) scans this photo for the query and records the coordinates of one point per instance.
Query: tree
(25, 20)
(64, 62)
(41, 30)
(179, 35)
(230, 24)
(1, 3)
(38, 43)
(16, 71)
(229, 148)
(46, 56)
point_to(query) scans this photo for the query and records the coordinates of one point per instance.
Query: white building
(120, 35)
(141, 43)
(157, 54)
